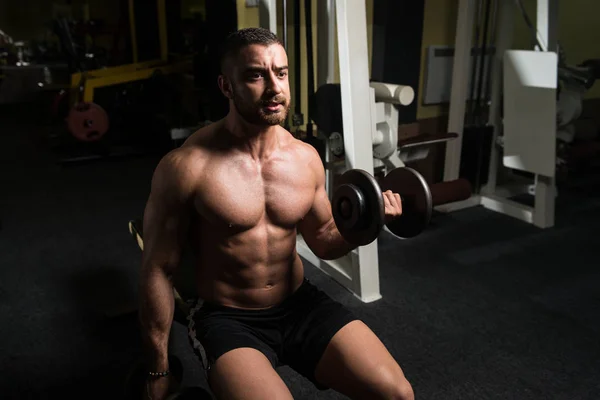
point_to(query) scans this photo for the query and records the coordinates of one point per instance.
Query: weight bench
(186, 366)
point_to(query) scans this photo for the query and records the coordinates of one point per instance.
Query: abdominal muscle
(254, 269)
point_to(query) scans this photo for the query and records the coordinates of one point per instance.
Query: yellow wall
(439, 28)
(247, 16)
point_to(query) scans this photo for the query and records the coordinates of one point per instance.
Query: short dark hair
(239, 39)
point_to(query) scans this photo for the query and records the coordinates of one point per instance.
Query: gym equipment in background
(534, 99)
(141, 100)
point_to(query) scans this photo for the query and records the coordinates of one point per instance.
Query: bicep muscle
(167, 215)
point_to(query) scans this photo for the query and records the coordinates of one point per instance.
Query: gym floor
(480, 306)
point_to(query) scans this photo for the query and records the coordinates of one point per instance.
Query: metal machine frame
(492, 196)
(83, 84)
(359, 270)
(87, 82)
(366, 108)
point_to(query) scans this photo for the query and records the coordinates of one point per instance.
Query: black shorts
(295, 332)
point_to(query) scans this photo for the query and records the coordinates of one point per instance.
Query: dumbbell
(359, 211)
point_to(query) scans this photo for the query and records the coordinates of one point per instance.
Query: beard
(257, 114)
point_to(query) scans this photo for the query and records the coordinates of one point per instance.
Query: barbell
(359, 211)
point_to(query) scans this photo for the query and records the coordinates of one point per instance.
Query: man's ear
(225, 86)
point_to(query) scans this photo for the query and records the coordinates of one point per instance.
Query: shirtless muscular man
(238, 191)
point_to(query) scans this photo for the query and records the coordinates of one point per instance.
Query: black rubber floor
(481, 306)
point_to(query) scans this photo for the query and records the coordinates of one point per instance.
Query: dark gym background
(480, 306)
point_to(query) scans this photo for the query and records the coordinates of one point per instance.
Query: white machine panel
(530, 79)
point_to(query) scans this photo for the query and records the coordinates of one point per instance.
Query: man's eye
(256, 75)
(282, 74)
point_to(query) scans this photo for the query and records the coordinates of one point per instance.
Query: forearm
(156, 316)
(332, 243)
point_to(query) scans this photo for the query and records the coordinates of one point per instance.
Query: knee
(395, 386)
(403, 390)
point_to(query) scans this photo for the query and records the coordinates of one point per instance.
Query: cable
(532, 29)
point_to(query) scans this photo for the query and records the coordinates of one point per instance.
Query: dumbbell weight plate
(87, 122)
(417, 205)
(357, 207)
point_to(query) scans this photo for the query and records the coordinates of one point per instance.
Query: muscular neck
(258, 141)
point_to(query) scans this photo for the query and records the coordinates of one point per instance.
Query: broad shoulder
(204, 137)
(304, 152)
(182, 161)
(189, 160)
(180, 170)
(306, 157)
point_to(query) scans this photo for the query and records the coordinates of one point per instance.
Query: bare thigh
(246, 373)
(357, 364)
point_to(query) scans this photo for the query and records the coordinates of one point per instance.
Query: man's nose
(274, 85)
